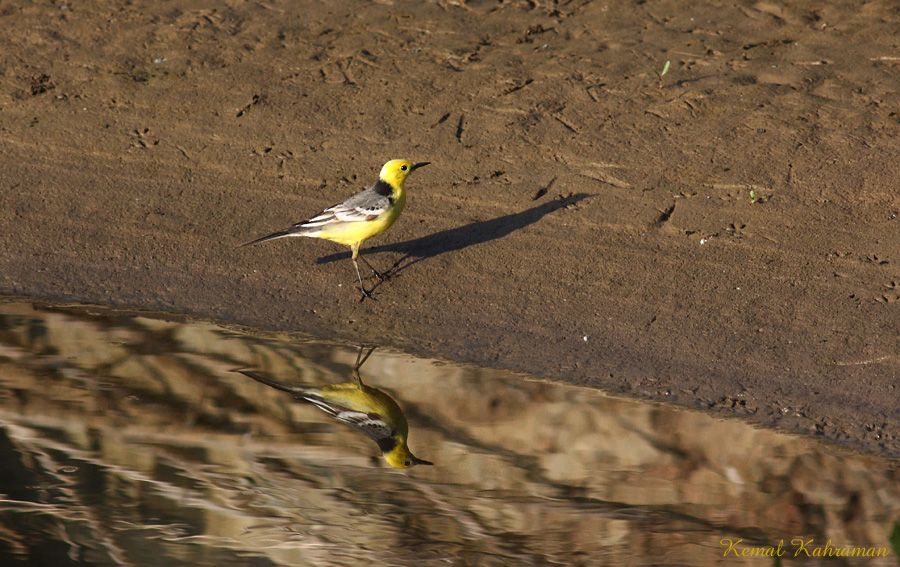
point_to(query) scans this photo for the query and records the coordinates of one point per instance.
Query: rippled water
(132, 441)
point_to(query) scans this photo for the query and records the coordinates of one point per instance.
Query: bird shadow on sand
(451, 240)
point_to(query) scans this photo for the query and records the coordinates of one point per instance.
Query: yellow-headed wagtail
(360, 217)
(366, 409)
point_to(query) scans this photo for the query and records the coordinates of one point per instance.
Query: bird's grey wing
(364, 206)
(372, 424)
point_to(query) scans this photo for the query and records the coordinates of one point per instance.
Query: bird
(366, 409)
(360, 217)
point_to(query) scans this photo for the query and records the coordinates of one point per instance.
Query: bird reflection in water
(368, 410)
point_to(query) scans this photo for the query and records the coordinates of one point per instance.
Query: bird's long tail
(273, 236)
(296, 391)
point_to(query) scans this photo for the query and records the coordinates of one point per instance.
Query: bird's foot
(365, 294)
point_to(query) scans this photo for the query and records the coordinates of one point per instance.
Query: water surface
(128, 440)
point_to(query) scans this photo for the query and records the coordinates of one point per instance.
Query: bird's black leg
(378, 274)
(360, 360)
(362, 289)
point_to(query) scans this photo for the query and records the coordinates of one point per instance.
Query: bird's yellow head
(396, 171)
(400, 457)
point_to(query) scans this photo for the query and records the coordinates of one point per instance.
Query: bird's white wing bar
(369, 423)
(363, 206)
(320, 220)
(359, 213)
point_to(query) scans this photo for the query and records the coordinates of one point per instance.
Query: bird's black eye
(404, 167)
(407, 463)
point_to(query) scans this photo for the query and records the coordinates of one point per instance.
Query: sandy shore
(723, 237)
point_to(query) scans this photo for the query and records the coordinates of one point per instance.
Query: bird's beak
(417, 166)
(418, 461)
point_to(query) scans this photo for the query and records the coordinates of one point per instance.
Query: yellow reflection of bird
(366, 409)
(360, 217)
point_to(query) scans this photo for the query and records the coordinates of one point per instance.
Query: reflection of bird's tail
(273, 236)
(269, 382)
(310, 395)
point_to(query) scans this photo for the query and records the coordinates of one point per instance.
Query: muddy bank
(725, 236)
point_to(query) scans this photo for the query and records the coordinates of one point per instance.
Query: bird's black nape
(383, 188)
(386, 444)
